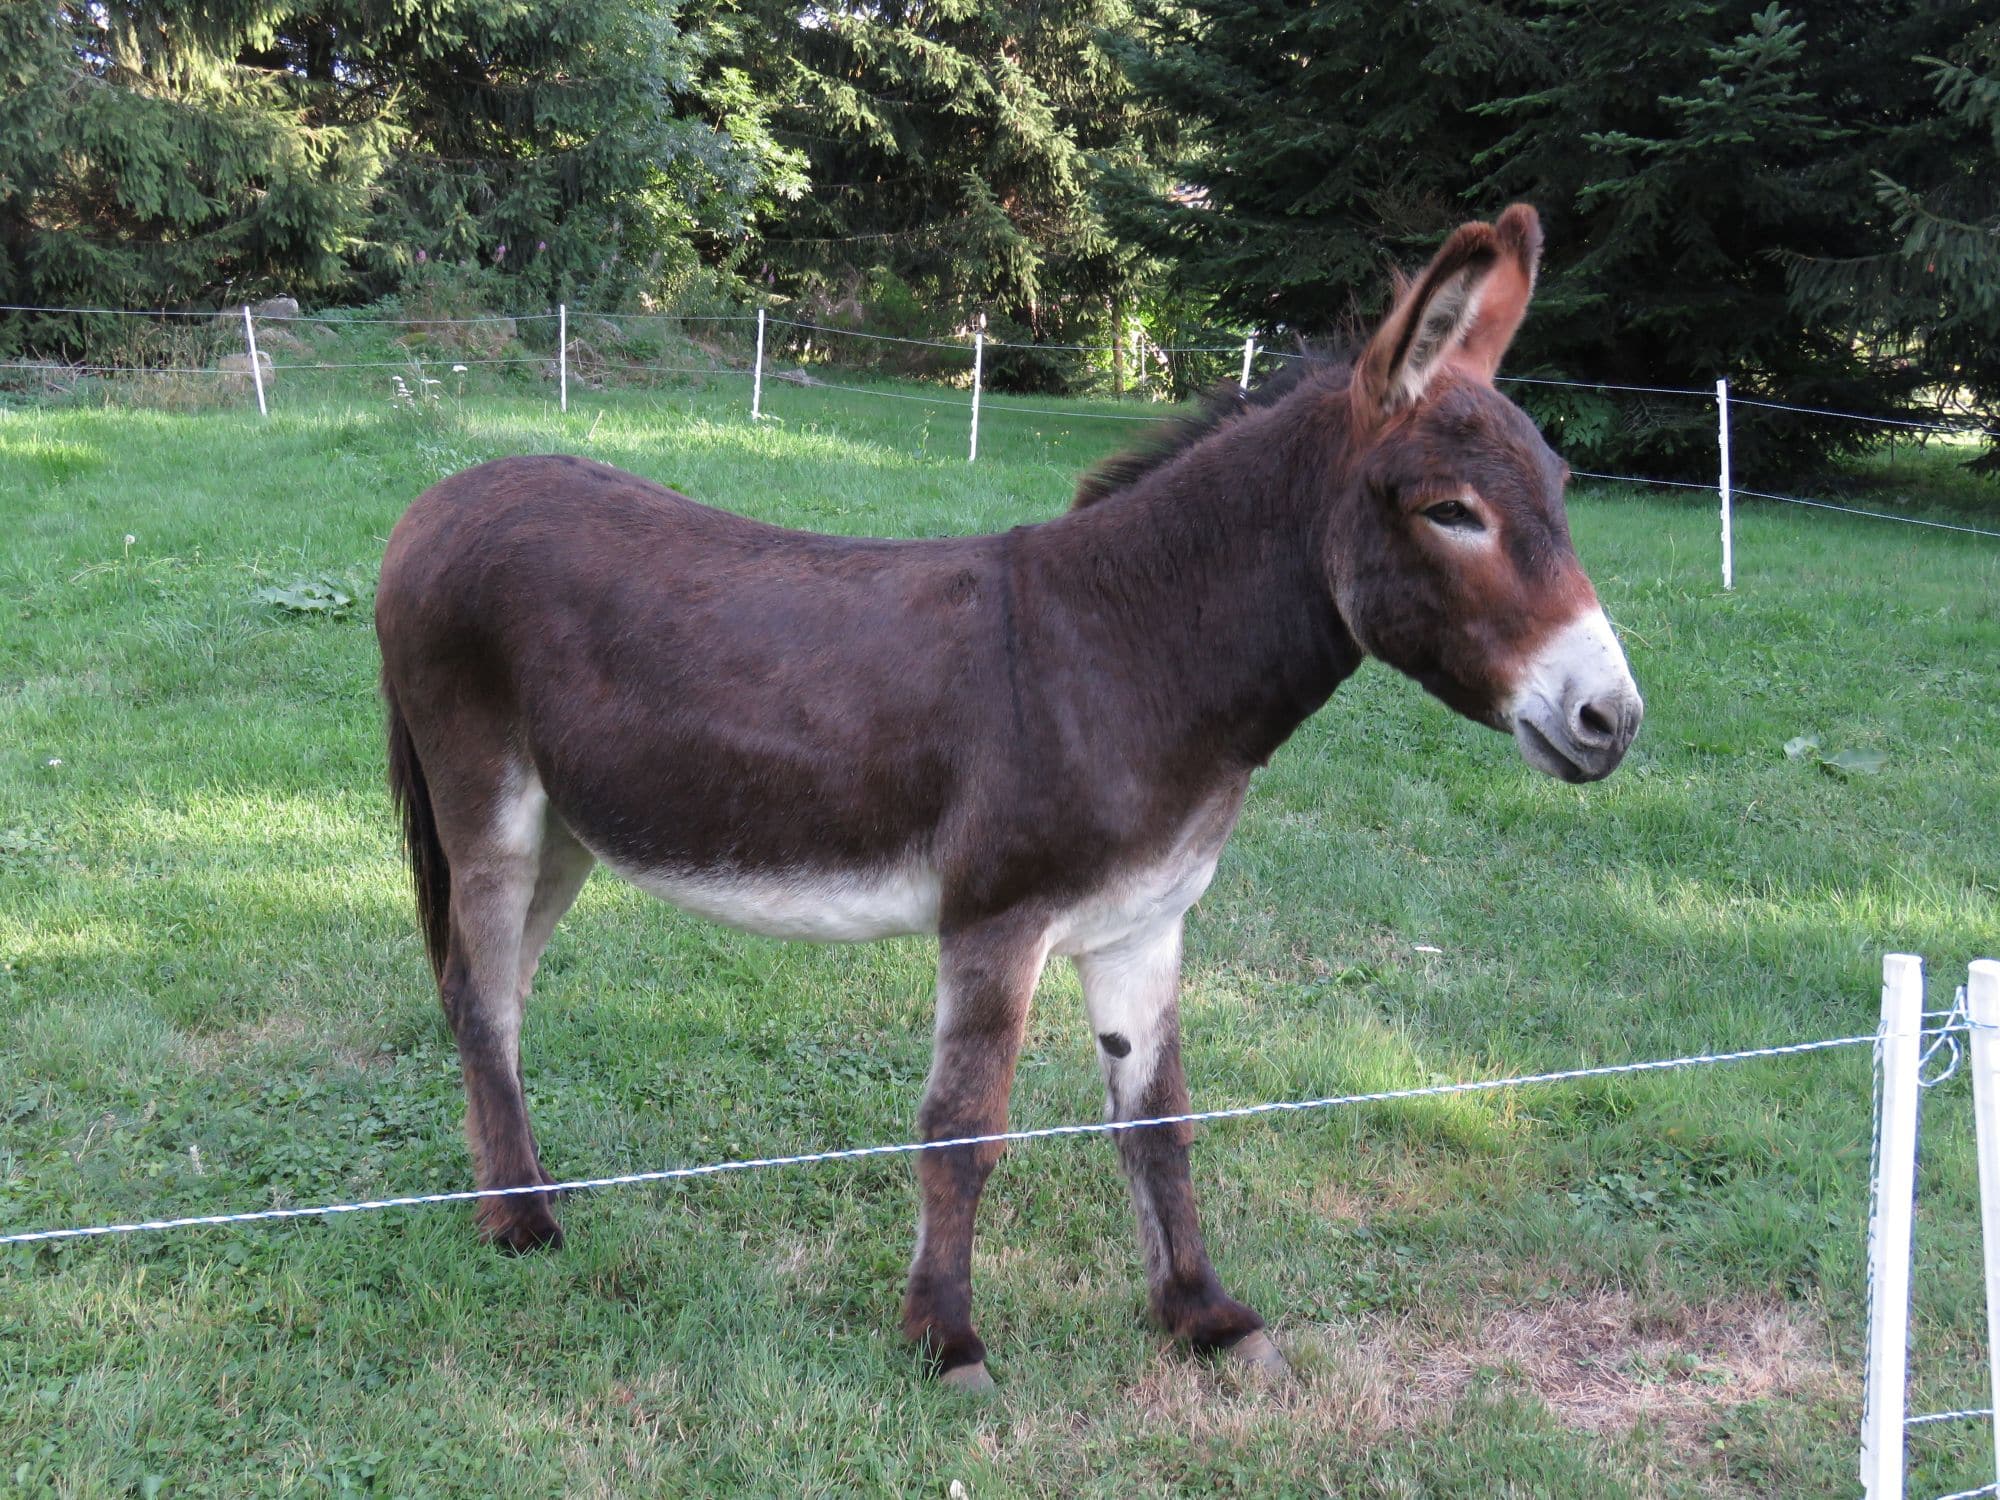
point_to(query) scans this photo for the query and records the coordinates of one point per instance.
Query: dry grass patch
(286, 1031)
(1601, 1363)
(1608, 1361)
(1381, 1186)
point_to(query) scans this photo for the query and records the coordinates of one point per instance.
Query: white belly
(863, 906)
(1144, 899)
(858, 906)
(816, 907)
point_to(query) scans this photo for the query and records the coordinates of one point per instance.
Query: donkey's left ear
(1460, 314)
(1503, 297)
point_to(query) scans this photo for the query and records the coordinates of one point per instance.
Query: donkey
(1028, 744)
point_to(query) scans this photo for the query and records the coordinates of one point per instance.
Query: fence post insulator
(1891, 1225)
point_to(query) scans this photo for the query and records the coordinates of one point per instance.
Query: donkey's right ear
(1431, 319)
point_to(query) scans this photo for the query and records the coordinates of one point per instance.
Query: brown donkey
(1027, 744)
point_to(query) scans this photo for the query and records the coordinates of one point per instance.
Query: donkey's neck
(1206, 581)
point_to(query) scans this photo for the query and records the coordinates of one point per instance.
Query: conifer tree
(952, 147)
(1675, 176)
(576, 144)
(160, 152)
(1682, 156)
(1317, 145)
(141, 163)
(1932, 299)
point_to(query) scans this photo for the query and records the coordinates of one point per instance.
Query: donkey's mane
(1172, 438)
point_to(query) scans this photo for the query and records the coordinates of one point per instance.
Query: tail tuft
(430, 871)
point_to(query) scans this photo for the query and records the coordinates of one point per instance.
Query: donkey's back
(561, 554)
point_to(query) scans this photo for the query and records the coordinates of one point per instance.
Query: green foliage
(1674, 173)
(1932, 296)
(164, 152)
(143, 162)
(949, 149)
(567, 146)
(1804, 201)
(1681, 157)
(1315, 142)
(1842, 763)
(322, 595)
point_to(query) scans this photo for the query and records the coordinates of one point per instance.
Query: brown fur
(1122, 470)
(430, 871)
(1041, 723)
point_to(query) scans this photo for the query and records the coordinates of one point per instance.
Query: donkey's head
(1450, 550)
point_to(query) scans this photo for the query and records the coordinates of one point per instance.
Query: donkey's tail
(430, 871)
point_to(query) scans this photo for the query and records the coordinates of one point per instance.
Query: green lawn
(212, 996)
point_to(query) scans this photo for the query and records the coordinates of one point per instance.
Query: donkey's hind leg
(564, 866)
(497, 872)
(1132, 991)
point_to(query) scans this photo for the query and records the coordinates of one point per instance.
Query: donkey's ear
(1503, 300)
(1460, 313)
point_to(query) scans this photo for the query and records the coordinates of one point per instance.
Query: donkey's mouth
(1544, 754)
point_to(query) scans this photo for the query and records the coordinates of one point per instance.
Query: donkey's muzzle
(1585, 741)
(1578, 710)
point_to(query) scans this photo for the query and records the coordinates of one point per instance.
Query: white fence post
(1982, 1005)
(1139, 358)
(562, 353)
(1728, 538)
(1249, 352)
(1891, 1223)
(256, 370)
(757, 377)
(978, 367)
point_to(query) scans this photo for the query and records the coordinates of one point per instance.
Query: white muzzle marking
(1576, 708)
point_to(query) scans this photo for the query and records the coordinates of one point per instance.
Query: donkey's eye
(1453, 514)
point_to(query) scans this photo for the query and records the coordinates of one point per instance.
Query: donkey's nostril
(1595, 722)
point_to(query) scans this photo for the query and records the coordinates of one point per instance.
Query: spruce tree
(1317, 145)
(1677, 167)
(576, 144)
(1931, 300)
(1682, 156)
(141, 163)
(167, 152)
(951, 150)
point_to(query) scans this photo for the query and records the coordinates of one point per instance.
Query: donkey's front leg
(986, 977)
(1132, 991)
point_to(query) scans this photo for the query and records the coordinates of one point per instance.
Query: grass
(212, 996)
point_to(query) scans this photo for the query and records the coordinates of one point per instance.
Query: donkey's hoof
(971, 1379)
(1259, 1358)
(521, 1228)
